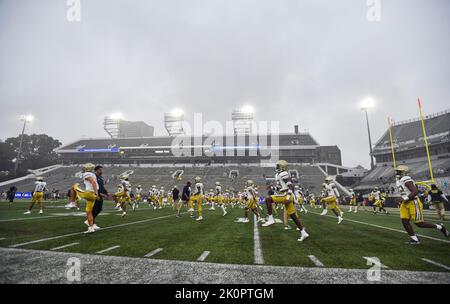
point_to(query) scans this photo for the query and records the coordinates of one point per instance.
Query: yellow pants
(352, 202)
(281, 199)
(250, 203)
(199, 200)
(89, 196)
(331, 202)
(37, 197)
(412, 210)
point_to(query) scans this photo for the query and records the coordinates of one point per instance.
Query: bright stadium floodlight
(366, 104)
(177, 112)
(247, 109)
(27, 118)
(116, 116)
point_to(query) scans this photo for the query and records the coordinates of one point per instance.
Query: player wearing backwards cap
(90, 193)
(411, 206)
(38, 195)
(284, 195)
(331, 195)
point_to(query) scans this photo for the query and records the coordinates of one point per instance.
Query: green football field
(220, 239)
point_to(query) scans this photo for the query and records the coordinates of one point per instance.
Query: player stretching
(89, 194)
(284, 195)
(197, 197)
(38, 195)
(330, 199)
(250, 196)
(411, 206)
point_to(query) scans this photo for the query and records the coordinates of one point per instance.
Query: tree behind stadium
(37, 152)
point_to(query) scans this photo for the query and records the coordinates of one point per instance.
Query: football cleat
(413, 242)
(27, 212)
(41, 211)
(200, 218)
(445, 231)
(225, 213)
(90, 230)
(340, 219)
(245, 220)
(124, 213)
(287, 228)
(303, 236)
(324, 212)
(96, 227)
(86, 223)
(268, 223)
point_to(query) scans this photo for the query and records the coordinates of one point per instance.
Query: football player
(90, 193)
(411, 207)
(218, 198)
(352, 202)
(250, 196)
(284, 195)
(137, 197)
(124, 194)
(437, 198)
(197, 197)
(38, 194)
(299, 199)
(330, 199)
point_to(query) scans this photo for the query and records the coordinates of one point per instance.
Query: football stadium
(219, 192)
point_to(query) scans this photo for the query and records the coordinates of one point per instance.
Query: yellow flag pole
(392, 142)
(426, 140)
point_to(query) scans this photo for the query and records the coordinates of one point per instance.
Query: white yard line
(153, 252)
(259, 259)
(203, 256)
(77, 233)
(315, 261)
(1, 239)
(28, 218)
(65, 246)
(108, 249)
(374, 261)
(383, 227)
(436, 263)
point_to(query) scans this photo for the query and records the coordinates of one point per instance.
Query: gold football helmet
(401, 170)
(198, 179)
(249, 183)
(88, 167)
(281, 165)
(328, 179)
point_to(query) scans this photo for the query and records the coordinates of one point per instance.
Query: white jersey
(40, 186)
(87, 184)
(331, 190)
(297, 194)
(218, 190)
(250, 192)
(198, 189)
(283, 180)
(376, 195)
(401, 186)
(138, 190)
(161, 192)
(126, 184)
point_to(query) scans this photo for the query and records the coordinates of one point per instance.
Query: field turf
(139, 233)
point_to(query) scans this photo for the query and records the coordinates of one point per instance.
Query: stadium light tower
(367, 104)
(111, 124)
(173, 122)
(25, 119)
(242, 120)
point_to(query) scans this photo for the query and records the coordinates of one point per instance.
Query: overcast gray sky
(300, 62)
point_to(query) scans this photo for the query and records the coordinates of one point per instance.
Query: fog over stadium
(299, 62)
